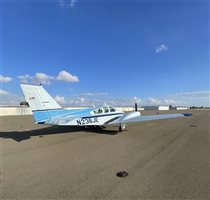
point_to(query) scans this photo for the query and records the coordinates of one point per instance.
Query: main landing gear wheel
(121, 127)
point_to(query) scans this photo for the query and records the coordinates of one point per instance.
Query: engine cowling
(130, 116)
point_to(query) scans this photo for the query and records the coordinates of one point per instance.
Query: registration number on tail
(87, 121)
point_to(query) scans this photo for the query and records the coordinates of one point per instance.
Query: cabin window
(105, 109)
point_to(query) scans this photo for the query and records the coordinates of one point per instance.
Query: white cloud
(46, 79)
(25, 78)
(9, 99)
(82, 100)
(194, 98)
(92, 94)
(195, 94)
(5, 79)
(78, 101)
(67, 3)
(161, 48)
(169, 102)
(42, 78)
(153, 101)
(60, 99)
(66, 76)
(89, 101)
(36, 79)
(137, 100)
(3, 92)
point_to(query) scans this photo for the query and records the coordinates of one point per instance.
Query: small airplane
(47, 111)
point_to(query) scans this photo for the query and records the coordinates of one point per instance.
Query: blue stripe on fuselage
(48, 115)
(102, 115)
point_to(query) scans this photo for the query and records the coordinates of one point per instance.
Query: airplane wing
(135, 117)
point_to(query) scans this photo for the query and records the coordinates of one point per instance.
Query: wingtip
(187, 114)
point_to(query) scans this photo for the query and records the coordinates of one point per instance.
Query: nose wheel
(122, 127)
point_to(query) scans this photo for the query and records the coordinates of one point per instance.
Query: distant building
(181, 108)
(163, 107)
(156, 107)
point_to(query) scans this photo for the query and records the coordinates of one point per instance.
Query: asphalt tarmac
(164, 159)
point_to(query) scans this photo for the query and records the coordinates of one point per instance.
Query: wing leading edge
(149, 118)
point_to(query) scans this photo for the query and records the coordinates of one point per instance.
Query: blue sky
(90, 52)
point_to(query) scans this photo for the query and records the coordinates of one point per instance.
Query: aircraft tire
(121, 127)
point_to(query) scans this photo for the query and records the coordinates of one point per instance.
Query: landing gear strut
(122, 127)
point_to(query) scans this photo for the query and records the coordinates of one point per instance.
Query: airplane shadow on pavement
(25, 135)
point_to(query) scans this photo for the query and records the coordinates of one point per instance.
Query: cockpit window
(106, 109)
(98, 111)
(111, 109)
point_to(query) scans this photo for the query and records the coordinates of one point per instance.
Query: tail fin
(39, 101)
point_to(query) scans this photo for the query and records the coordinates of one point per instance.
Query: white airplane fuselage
(47, 111)
(83, 117)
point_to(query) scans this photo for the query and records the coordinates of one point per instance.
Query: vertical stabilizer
(40, 102)
(38, 98)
